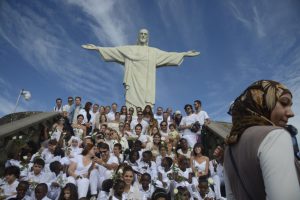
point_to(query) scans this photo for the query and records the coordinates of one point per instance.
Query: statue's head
(143, 37)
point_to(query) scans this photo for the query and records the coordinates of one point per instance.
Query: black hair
(138, 125)
(73, 192)
(146, 174)
(43, 186)
(80, 115)
(198, 101)
(54, 166)
(12, 170)
(149, 153)
(118, 145)
(103, 145)
(169, 161)
(58, 99)
(188, 105)
(39, 161)
(160, 193)
(78, 98)
(107, 185)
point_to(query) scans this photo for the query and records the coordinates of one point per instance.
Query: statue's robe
(140, 70)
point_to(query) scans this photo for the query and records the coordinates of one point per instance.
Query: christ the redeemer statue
(140, 63)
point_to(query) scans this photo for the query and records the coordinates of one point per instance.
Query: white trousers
(82, 185)
(191, 139)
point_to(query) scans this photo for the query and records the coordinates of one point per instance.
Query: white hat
(177, 112)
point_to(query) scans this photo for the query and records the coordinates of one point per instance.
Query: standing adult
(259, 161)
(67, 107)
(58, 107)
(74, 110)
(186, 125)
(140, 63)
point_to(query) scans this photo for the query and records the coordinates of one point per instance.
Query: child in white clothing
(12, 174)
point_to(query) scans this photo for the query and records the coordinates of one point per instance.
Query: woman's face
(103, 118)
(197, 150)
(128, 177)
(67, 194)
(148, 109)
(163, 151)
(80, 119)
(282, 110)
(156, 139)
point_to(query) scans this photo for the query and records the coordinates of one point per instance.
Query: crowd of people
(106, 152)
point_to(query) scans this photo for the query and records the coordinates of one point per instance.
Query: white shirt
(110, 116)
(202, 116)
(159, 118)
(188, 120)
(143, 123)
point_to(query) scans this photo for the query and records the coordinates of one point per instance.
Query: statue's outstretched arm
(89, 46)
(191, 53)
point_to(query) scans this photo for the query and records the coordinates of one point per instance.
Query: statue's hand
(89, 46)
(192, 53)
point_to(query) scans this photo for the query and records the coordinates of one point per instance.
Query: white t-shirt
(188, 120)
(110, 116)
(159, 118)
(143, 123)
(202, 116)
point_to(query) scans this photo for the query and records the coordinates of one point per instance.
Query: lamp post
(26, 95)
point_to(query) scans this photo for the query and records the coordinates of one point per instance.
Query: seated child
(69, 192)
(146, 188)
(147, 165)
(118, 189)
(41, 191)
(37, 175)
(12, 174)
(57, 180)
(204, 191)
(182, 193)
(106, 186)
(21, 191)
(165, 173)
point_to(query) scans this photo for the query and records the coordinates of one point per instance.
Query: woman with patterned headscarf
(259, 161)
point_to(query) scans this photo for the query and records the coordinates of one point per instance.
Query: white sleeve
(206, 115)
(276, 158)
(182, 121)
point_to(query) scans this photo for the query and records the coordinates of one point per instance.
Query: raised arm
(90, 46)
(191, 53)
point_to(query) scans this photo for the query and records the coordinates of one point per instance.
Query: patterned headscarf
(254, 106)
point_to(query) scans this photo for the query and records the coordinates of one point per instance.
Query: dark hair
(87, 106)
(54, 166)
(132, 152)
(87, 149)
(80, 115)
(169, 161)
(146, 174)
(188, 105)
(58, 99)
(12, 170)
(78, 98)
(202, 179)
(118, 145)
(198, 101)
(25, 183)
(160, 193)
(73, 192)
(198, 144)
(52, 142)
(172, 125)
(117, 183)
(39, 161)
(138, 125)
(163, 122)
(107, 184)
(103, 145)
(181, 191)
(43, 186)
(147, 153)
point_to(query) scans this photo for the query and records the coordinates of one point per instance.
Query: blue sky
(240, 42)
